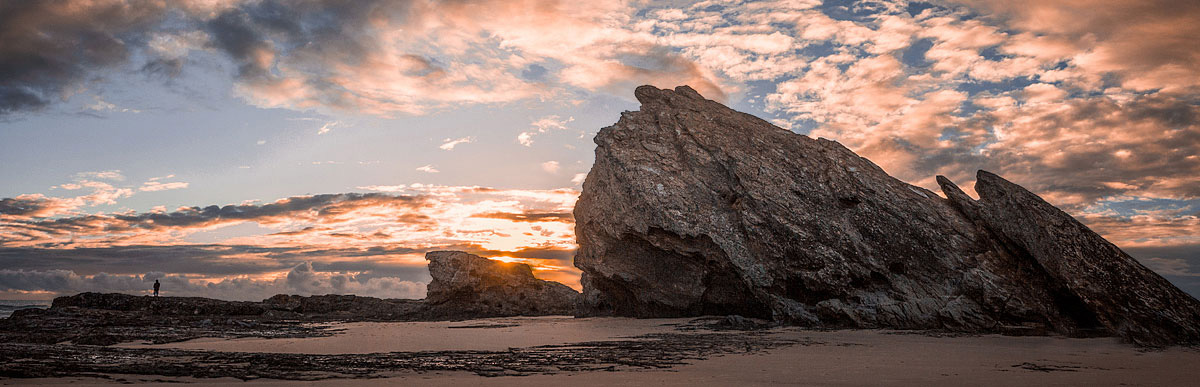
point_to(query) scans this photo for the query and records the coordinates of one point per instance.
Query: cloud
(1179, 263)
(543, 125)
(33, 206)
(153, 186)
(1160, 224)
(372, 234)
(550, 166)
(1147, 45)
(449, 144)
(219, 260)
(51, 48)
(323, 208)
(114, 175)
(27, 206)
(374, 56)
(385, 188)
(530, 216)
(328, 126)
(101, 106)
(1171, 266)
(407, 216)
(302, 279)
(525, 138)
(428, 168)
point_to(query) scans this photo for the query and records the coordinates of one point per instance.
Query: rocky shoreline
(464, 286)
(74, 336)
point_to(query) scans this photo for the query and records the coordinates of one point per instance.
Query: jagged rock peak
(650, 94)
(1125, 297)
(693, 208)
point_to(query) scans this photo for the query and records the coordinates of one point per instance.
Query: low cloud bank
(302, 279)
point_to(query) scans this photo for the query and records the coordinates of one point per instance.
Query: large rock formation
(470, 286)
(693, 208)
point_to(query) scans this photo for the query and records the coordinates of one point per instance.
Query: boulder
(470, 286)
(692, 208)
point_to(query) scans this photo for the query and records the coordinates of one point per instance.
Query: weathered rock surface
(692, 208)
(1125, 297)
(466, 285)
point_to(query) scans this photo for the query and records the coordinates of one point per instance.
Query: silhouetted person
(156, 285)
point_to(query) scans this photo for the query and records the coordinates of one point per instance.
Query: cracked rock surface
(1123, 297)
(692, 208)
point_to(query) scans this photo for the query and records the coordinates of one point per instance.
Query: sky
(241, 149)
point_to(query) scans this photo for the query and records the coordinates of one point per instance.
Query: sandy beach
(846, 357)
(493, 334)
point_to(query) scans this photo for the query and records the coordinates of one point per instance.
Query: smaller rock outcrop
(470, 286)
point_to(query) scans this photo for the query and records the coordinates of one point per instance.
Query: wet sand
(493, 334)
(851, 357)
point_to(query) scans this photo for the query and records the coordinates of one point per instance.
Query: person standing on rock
(156, 286)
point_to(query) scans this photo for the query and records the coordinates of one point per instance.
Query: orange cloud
(535, 225)
(1150, 45)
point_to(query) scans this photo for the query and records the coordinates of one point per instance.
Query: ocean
(8, 306)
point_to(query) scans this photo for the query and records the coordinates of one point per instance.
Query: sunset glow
(240, 149)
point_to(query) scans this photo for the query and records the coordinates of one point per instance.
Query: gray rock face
(471, 286)
(1125, 297)
(693, 208)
